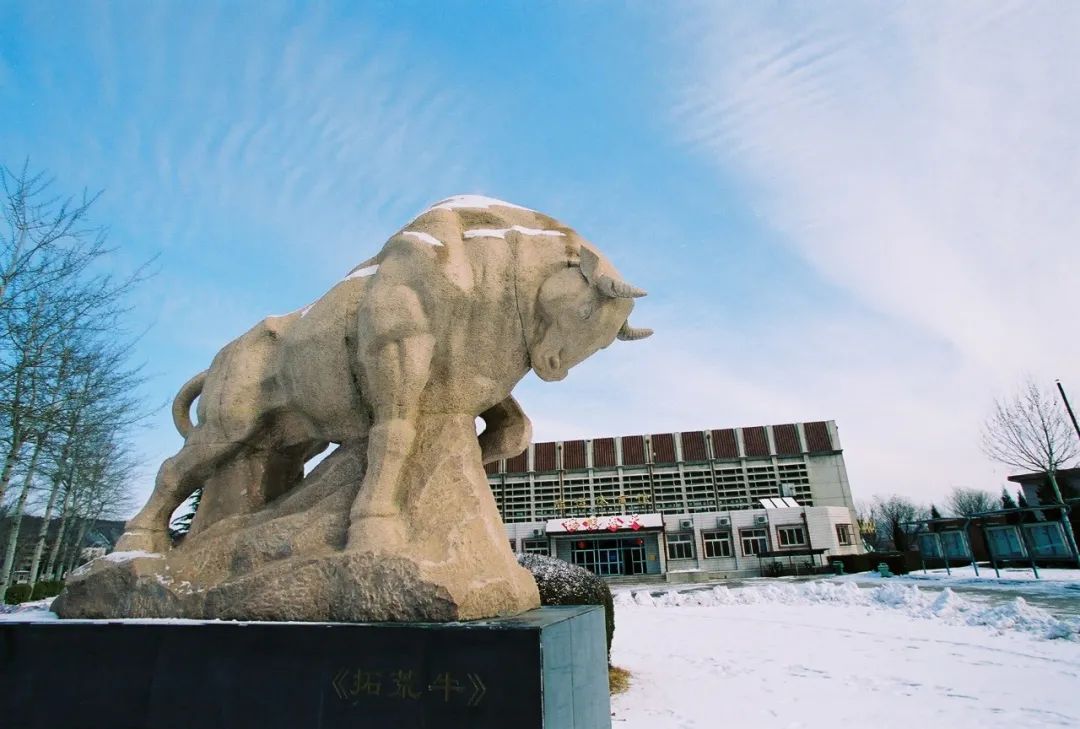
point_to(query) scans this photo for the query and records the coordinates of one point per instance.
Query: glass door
(633, 557)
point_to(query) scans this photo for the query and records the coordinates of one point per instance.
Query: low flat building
(724, 502)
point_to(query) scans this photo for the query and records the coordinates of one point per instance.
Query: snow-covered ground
(827, 654)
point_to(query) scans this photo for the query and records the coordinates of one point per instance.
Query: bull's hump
(474, 202)
(468, 217)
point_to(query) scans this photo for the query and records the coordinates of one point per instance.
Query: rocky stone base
(290, 560)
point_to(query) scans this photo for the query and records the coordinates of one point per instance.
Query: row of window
(717, 542)
(691, 490)
(1045, 539)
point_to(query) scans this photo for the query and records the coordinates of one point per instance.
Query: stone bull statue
(454, 310)
(394, 364)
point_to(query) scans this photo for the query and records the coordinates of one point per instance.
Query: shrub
(561, 583)
(17, 594)
(47, 588)
(900, 563)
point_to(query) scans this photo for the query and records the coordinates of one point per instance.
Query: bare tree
(867, 516)
(68, 395)
(894, 514)
(965, 502)
(47, 239)
(1030, 431)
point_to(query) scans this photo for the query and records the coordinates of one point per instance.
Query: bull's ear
(590, 263)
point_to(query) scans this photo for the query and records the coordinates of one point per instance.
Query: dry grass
(618, 679)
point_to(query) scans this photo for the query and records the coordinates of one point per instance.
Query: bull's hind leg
(177, 479)
(399, 374)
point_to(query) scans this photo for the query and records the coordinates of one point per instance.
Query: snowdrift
(946, 606)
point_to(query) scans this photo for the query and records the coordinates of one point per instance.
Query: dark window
(791, 536)
(680, 546)
(717, 544)
(845, 535)
(535, 546)
(754, 541)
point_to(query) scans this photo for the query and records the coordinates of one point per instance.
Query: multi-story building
(713, 502)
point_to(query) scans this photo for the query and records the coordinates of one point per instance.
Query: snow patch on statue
(473, 202)
(501, 232)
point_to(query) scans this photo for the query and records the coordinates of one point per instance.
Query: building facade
(712, 502)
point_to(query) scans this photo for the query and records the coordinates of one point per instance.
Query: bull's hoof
(376, 534)
(143, 540)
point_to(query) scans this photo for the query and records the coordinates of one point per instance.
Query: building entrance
(607, 557)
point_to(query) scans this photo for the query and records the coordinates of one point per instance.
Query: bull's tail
(181, 408)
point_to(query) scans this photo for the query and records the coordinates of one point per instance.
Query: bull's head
(582, 309)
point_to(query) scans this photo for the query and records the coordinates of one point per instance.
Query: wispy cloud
(924, 161)
(262, 149)
(312, 128)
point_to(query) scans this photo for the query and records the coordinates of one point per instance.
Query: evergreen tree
(1021, 502)
(934, 514)
(1007, 499)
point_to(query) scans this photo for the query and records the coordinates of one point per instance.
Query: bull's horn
(610, 286)
(628, 333)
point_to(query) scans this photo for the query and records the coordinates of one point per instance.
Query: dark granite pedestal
(546, 668)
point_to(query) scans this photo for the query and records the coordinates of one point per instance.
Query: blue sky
(854, 211)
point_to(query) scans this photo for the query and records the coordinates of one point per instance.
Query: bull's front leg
(397, 376)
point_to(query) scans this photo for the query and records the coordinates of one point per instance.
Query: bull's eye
(586, 310)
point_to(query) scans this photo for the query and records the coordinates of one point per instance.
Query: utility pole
(1067, 521)
(1068, 407)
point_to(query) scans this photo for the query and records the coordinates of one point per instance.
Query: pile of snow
(128, 556)
(946, 606)
(28, 611)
